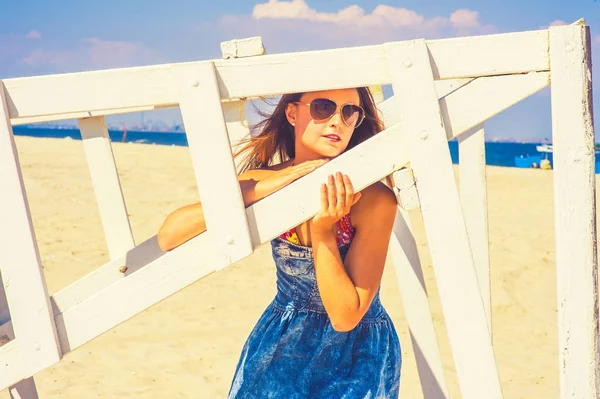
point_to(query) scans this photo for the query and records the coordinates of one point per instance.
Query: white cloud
(293, 25)
(465, 19)
(383, 16)
(33, 34)
(596, 40)
(298, 9)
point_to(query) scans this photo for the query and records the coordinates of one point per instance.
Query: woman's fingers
(341, 194)
(324, 200)
(352, 197)
(331, 194)
(349, 191)
(306, 167)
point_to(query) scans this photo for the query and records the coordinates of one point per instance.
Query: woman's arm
(187, 222)
(347, 289)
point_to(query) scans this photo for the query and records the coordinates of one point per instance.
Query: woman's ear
(290, 113)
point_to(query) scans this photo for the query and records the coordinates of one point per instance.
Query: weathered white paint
(406, 189)
(105, 180)
(446, 87)
(271, 74)
(20, 264)
(479, 100)
(473, 196)
(425, 139)
(405, 255)
(215, 171)
(575, 212)
(240, 48)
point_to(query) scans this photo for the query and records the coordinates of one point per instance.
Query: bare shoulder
(377, 203)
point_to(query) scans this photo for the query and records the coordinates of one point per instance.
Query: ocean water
(497, 154)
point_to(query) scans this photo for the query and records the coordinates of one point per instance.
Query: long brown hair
(274, 136)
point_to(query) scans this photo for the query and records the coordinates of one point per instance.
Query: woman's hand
(285, 176)
(258, 184)
(337, 197)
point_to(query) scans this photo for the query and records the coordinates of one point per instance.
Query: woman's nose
(336, 118)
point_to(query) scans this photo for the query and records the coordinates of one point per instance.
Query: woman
(326, 334)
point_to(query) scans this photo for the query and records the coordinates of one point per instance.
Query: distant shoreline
(23, 129)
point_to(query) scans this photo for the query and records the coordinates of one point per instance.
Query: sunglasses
(324, 108)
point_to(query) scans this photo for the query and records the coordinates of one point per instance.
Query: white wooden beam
(241, 48)
(511, 53)
(444, 88)
(105, 180)
(575, 211)
(20, 265)
(406, 190)
(124, 298)
(473, 197)
(441, 85)
(425, 140)
(413, 291)
(212, 159)
(486, 96)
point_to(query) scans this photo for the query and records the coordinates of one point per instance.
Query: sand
(187, 346)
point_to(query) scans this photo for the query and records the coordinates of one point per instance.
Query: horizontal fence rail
(34, 98)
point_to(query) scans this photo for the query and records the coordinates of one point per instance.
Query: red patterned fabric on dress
(344, 232)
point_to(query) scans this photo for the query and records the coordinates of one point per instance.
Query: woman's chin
(330, 151)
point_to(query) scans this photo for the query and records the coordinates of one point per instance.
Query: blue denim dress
(293, 351)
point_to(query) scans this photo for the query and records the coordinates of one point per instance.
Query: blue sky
(42, 37)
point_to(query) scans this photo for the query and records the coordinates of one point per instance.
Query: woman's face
(321, 138)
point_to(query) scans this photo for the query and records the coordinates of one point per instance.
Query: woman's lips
(333, 137)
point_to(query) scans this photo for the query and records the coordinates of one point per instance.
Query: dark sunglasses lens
(352, 115)
(322, 108)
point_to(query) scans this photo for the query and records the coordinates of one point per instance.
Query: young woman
(325, 334)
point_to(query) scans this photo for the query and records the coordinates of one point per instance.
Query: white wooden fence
(443, 89)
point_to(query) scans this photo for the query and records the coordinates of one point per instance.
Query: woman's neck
(303, 155)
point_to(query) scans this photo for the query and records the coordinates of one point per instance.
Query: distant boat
(547, 148)
(544, 148)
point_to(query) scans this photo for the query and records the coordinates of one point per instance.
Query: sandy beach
(187, 346)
